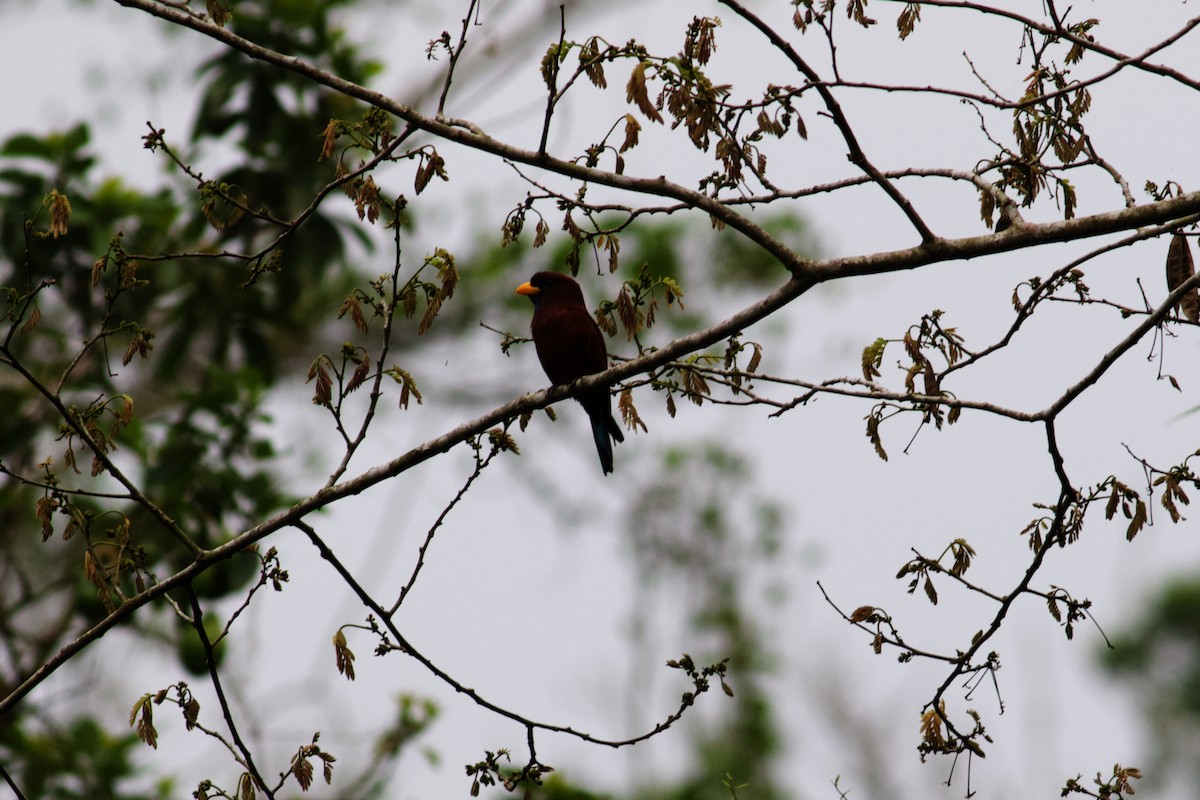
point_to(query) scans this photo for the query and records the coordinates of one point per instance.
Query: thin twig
(552, 79)
(403, 645)
(480, 465)
(210, 659)
(857, 156)
(455, 54)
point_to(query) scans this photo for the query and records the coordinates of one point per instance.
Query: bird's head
(551, 287)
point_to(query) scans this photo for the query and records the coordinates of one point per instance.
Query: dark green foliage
(1158, 655)
(166, 359)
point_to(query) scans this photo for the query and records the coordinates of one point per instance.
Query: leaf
(705, 41)
(593, 66)
(856, 10)
(323, 393)
(550, 61)
(329, 139)
(629, 413)
(141, 701)
(303, 771)
(873, 435)
(60, 212)
(1180, 268)
(963, 553)
(1052, 605)
(432, 165)
(191, 712)
(246, 790)
(695, 387)
(930, 592)
(627, 312)
(1111, 508)
(502, 441)
(755, 357)
(359, 376)
(872, 358)
(31, 323)
(908, 19)
(432, 307)
(1138, 521)
(144, 712)
(862, 614)
(635, 92)
(366, 200)
(44, 510)
(613, 245)
(931, 729)
(218, 12)
(343, 655)
(327, 766)
(632, 129)
(408, 385)
(353, 306)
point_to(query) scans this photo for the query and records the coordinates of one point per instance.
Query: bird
(570, 345)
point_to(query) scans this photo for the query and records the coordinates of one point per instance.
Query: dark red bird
(570, 345)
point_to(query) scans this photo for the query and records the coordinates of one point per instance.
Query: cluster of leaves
(686, 97)
(1048, 119)
(353, 366)
(491, 772)
(1117, 496)
(1048, 134)
(936, 737)
(961, 553)
(635, 309)
(1061, 526)
(1115, 787)
(700, 677)
(142, 715)
(929, 335)
(810, 12)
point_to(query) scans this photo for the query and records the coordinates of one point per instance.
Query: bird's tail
(604, 427)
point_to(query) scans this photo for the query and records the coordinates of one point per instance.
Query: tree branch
(856, 155)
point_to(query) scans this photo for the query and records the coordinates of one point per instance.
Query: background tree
(148, 331)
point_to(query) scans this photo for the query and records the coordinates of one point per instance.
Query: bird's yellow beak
(527, 288)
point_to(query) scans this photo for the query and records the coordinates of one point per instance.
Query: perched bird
(570, 345)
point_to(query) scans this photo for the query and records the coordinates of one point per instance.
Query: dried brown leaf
(1180, 268)
(34, 317)
(862, 613)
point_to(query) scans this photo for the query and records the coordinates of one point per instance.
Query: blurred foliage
(85, 278)
(701, 524)
(78, 760)
(1157, 657)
